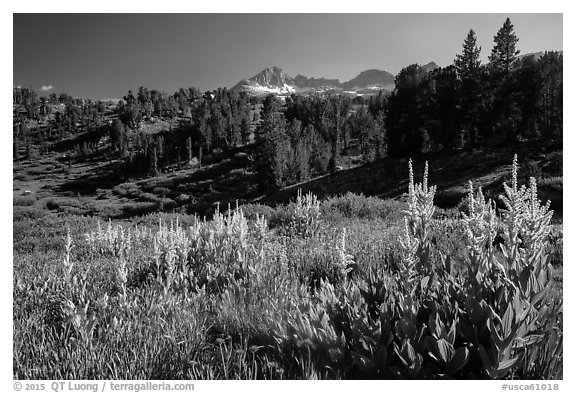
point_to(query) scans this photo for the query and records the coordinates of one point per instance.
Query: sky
(105, 55)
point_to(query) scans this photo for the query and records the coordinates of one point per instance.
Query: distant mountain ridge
(537, 55)
(370, 78)
(429, 67)
(274, 80)
(304, 82)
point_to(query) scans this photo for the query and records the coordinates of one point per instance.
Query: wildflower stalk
(418, 217)
(67, 263)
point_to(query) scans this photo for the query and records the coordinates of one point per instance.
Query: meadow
(350, 287)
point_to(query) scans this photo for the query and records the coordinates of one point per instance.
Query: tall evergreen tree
(405, 111)
(159, 153)
(467, 63)
(469, 70)
(245, 129)
(188, 149)
(504, 53)
(503, 113)
(551, 71)
(152, 161)
(117, 133)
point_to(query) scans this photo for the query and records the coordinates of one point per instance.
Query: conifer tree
(468, 62)
(469, 72)
(245, 129)
(188, 149)
(505, 114)
(160, 152)
(504, 53)
(152, 161)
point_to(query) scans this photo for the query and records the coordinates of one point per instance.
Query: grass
(314, 289)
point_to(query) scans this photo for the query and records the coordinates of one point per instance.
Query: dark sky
(105, 55)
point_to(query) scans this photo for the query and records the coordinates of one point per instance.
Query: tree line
(468, 104)
(465, 105)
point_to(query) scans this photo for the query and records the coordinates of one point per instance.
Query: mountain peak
(273, 80)
(270, 80)
(429, 67)
(271, 76)
(372, 77)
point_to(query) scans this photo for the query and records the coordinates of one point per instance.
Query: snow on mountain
(273, 80)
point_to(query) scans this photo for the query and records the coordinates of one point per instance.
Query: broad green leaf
(459, 360)
(522, 342)
(507, 321)
(466, 331)
(424, 282)
(496, 336)
(407, 354)
(362, 360)
(507, 364)
(445, 350)
(538, 297)
(488, 366)
(452, 333)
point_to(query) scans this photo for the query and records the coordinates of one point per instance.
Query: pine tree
(505, 114)
(405, 111)
(117, 134)
(273, 150)
(504, 54)
(245, 129)
(551, 70)
(160, 152)
(188, 149)
(302, 160)
(469, 72)
(468, 62)
(152, 161)
(380, 137)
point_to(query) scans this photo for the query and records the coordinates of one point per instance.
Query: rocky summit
(273, 80)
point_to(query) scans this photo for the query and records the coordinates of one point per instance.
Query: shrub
(553, 164)
(73, 210)
(28, 200)
(162, 191)
(201, 208)
(59, 203)
(530, 169)
(556, 246)
(107, 211)
(148, 197)
(138, 208)
(304, 215)
(27, 212)
(128, 190)
(251, 210)
(358, 206)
